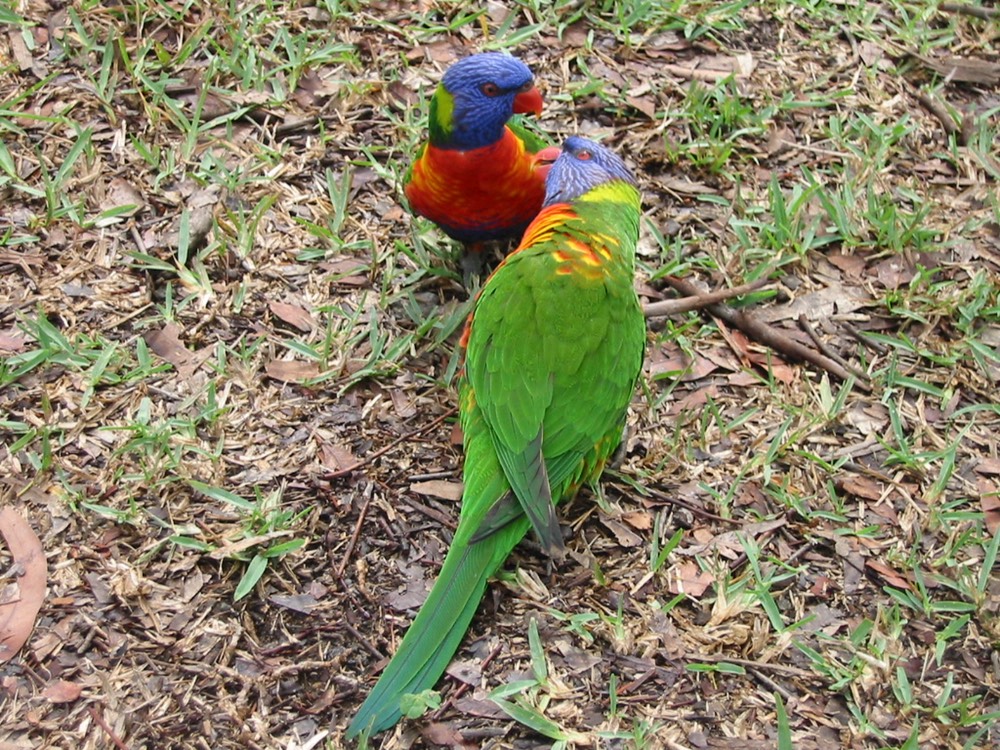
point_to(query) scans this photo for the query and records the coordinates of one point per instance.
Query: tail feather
(438, 628)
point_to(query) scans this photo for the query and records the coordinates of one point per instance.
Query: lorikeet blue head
(583, 165)
(476, 98)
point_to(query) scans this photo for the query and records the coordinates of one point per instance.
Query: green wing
(552, 360)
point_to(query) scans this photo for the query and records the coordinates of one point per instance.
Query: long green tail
(439, 627)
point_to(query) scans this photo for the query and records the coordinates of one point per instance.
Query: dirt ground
(227, 402)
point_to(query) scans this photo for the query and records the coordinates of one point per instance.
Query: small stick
(99, 720)
(354, 537)
(698, 301)
(865, 341)
(987, 14)
(821, 345)
(385, 449)
(767, 335)
(939, 112)
(761, 677)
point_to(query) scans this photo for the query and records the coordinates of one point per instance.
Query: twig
(385, 449)
(99, 720)
(660, 495)
(364, 640)
(761, 677)
(939, 112)
(698, 301)
(354, 537)
(767, 335)
(987, 14)
(865, 341)
(822, 346)
(769, 666)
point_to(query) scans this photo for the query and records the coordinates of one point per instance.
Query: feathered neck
(463, 129)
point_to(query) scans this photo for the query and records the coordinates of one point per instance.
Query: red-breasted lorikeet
(481, 174)
(553, 348)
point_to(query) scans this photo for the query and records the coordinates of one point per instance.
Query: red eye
(526, 88)
(490, 89)
(583, 155)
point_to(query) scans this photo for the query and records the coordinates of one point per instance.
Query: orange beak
(528, 101)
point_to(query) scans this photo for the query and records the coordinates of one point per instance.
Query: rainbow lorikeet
(481, 174)
(553, 348)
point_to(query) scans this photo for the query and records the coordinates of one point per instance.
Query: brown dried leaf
(988, 465)
(122, 193)
(893, 272)
(889, 575)
(644, 104)
(62, 691)
(17, 615)
(302, 603)
(291, 370)
(166, 344)
(443, 735)
(989, 501)
(625, 536)
(965, 69)
(861, 486)
(688, 578)
(638, 519)
(438, 488)
(293, 315)
(11, 343)
(335, 456)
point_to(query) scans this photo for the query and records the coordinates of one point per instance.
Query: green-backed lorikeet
(481, 174)
(553, 349)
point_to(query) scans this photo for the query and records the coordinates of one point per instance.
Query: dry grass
(213, 309)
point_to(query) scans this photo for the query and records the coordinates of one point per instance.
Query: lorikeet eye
(526, 87)
(583, 154)
(490, 89)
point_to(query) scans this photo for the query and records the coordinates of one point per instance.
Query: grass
(774, 544)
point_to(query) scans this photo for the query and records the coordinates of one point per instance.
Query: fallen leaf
(864, 487)
(688, 578)
(889, 575)
(122, 194)
(989, 501)
(893, 272)
(469, 672)
(335, 457)
(17, 615)
(62, 691)
(638, 519)
(966, 69)
(438, 488)
(625, 536)
(293, 315)
(291, 370)
(12, 343)
(166, 344)
(302, 603)
(644, 104)
(988, 465)
(438, 733)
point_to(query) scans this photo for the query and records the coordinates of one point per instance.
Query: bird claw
(473, 265)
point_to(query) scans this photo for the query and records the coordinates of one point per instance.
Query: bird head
(582, 166)
(476, 98)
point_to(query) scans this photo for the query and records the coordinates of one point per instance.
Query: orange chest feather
(493, 187)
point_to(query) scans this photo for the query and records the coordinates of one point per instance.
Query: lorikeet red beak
(544, 159)
(528, 101)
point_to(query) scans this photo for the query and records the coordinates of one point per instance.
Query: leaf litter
(139, 642)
